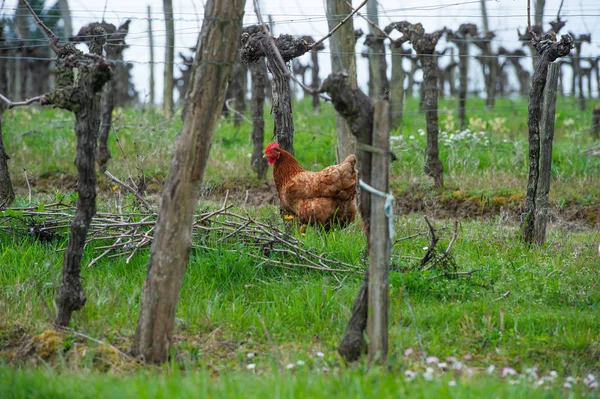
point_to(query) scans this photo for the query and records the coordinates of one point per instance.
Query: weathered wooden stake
(546, 138)
(169, 58)
(596, 123)
(397, 86)
(7, 194)
(378, 293)
(258, 76)
(342, 44)
(172, 241)
(461, 39)
(357, 109)
(151, 43)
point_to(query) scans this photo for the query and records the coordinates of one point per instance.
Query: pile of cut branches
(123, 235)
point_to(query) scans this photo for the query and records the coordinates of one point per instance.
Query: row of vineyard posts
(364, 124)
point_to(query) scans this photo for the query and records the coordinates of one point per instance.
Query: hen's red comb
(271, 146)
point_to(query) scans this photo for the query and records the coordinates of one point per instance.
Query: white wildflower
(410, 375)
(432, 360)
(452, 383)
(251, 366)
(508, 371)
(300, 362)
(290, 366)
(320, 354)
(428, 374)
(491, 369)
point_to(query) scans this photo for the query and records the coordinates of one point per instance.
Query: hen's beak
(265, 155)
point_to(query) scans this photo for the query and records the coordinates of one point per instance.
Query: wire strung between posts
(388, 206)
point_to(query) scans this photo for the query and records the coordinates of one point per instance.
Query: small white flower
(411, 137)
(508, 371)
(251, 355)
(567, 385)
(428, 374)
(249, 155)
(300, 362)
(540, 382)
(491, 369)
(452, 383)
(290, 366)
(442, 365)
(410, 375)
(320, 354)
(432, 360)
(408, 352)
(571, 380)
(457, 366)
(425, 248)
(421, 133)
(590, 380)
(251, 366)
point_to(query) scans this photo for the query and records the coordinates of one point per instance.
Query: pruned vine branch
(10, 104)
(123, 235)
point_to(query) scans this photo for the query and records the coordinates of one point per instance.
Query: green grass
(347, 384)
(146, 138)
(522, 308)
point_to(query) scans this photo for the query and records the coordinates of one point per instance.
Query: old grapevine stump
(424, 44)
(260, 44)
(549, 50)
(80, 94)
(356, 107)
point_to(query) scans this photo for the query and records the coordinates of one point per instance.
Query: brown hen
(326, 198)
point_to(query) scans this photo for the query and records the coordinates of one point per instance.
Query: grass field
(525, 323)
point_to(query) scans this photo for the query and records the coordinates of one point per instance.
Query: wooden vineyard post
(170, 250)
(342, 44)
(596, 123)
(381, 229)
(546, 138)
(151, 45)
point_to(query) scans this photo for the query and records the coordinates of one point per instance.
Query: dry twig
(123, 235)
(11, 104)
(338, 26)
(130, 189)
